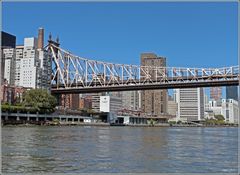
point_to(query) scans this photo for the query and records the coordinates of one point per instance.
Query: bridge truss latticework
(76, 74)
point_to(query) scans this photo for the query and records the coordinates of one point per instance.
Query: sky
(188, 34)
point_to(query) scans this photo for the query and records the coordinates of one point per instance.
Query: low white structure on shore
(227, 107)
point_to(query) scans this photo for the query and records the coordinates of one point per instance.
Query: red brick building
(11, 94)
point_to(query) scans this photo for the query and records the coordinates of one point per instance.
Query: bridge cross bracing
(74, 74)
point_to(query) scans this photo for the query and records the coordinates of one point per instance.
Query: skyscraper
(29, 64)
(45, 64)
(190, 103)
(33, 67)
(216, 93)
(19, 57)
(230, 110)
(8, 41)
(131, 100)
(153, 102)
(9, 61)
(232, 92)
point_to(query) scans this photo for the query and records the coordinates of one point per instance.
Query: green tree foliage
(39, 100)
(219, 117)
(214, 122)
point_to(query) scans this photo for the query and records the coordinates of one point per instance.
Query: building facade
(232, 92)
(213, 108)
(85, 102)
(8, 41)
(69, 101)
(190, 103)
(216, 93)
(172, 108)
(96, 101)
(29, 70)
(111, 104)
(230, 110)
(9, 59)
(153, 102)
(11, 94)
(131, 100)
(45, 64)
(27, 65)
(19, 57)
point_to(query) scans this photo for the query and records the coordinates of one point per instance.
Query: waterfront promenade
(61, 120)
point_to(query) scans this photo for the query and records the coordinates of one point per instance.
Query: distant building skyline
(27, 65)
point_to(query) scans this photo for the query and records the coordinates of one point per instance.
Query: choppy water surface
(119, 149)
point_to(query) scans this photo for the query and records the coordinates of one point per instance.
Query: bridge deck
(129, 87)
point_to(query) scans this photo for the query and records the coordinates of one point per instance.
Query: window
(161, 108)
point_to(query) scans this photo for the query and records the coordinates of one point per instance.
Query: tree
(219, 117)
(40, 100)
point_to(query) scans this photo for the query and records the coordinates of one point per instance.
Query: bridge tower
(62, 99)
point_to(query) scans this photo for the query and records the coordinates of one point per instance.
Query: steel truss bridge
(74, 74)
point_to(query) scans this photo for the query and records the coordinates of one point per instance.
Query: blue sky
(188, 34)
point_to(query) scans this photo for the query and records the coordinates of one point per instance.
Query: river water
(80, 149)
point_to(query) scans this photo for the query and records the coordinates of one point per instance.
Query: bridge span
(74, 74)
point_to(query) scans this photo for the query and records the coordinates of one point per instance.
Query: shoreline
(127, 125)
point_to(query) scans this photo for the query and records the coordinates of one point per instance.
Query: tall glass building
(232, 92)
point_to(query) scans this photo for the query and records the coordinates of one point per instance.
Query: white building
(29, 64)
(230, 110)
(33, 66)
(213, 108)
(19, 57)
(110, 104)
(190, 103)
(9, 56)
(206, 102)
(227, 107)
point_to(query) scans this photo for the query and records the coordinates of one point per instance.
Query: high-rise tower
(232, 92)
(190, 103)
(153, 102)
(40, 38)
(216, 93)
